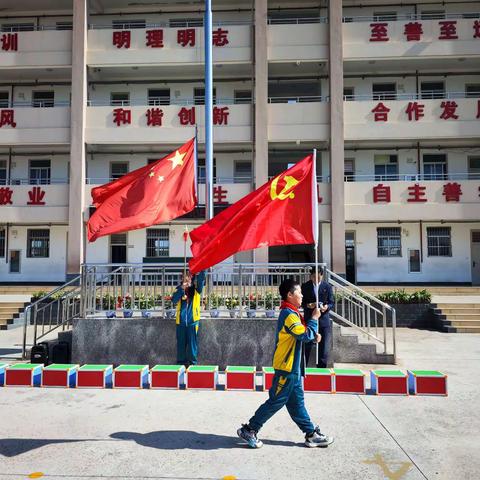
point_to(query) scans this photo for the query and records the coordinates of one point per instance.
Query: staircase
(9, 311)
(457, 317)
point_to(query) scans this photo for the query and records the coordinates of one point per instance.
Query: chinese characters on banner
(36, 196)
(416, 193)
(413, 31)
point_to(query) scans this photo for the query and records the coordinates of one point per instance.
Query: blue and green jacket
(292, 334)
(188, 311)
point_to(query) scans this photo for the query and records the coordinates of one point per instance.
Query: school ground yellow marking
(36, 475)
(229, 477)
(391, 475)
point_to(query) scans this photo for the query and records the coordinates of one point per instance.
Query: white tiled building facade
(389, 94)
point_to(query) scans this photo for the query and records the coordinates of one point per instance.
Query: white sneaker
(318, 439)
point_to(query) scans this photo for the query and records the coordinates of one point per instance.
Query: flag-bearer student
(186, 299)
(289, 364)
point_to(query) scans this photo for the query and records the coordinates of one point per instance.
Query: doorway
(475, 249)
(118, 248)
(350, 271)
(14, 261)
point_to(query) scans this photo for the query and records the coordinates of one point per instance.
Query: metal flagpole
(208, 111)
(315, 230)
(185, 239)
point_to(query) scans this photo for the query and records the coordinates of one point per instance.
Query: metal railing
(235, 290)
(55, 310)
(297, 20)
(41, 104)
(301, 99)
(194, 101)
(30, 181)
(425, 95)
(397, 177)
(410, 16)
(177, 24)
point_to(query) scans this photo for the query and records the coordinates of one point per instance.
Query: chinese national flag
(156, 193)
(278, 213)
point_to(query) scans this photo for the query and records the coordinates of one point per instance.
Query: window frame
(30, 247)
(389, 236)
(430, 248)
(153, 236)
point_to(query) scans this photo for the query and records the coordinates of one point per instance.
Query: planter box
(167, 376)
(389, 382)
(427, 382)
(413, 315)
(202, 377)
(318, 380)
(349, 381)
(268, 374)
(3, 366)
(23, 375)
(130, 376)
(240, 378)
(95, 376)
(60, 375)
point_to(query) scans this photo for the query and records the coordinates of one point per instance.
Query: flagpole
(185, 239)
(208, 111)
(315, 217)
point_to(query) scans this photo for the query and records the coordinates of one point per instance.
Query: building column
(337, 231)
(75, 245)
(260, 61)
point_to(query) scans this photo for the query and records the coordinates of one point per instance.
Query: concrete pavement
(115, 434)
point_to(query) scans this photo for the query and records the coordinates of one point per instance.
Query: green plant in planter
(232, 302)
(38, 295)
(144, 302)
(168, 301)
(401, 296)
(214, 301)
(422, 296)
(252, 301)
(271, 300)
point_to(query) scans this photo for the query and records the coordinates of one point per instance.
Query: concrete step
(462, 329)
(447, 311)
(455, 305)
(7, 315)
(462, 316)
(12, 305)
(463, 323)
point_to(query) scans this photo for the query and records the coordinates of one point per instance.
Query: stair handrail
(35, 305)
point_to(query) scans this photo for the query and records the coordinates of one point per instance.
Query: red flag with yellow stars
(156, 193)
(280, 212)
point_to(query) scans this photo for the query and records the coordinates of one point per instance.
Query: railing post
(240, 298)
(394, 327)
(25, 323)
(35, 325)
(384, 329)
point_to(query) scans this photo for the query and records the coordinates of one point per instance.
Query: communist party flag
(156, 193)
(280, 212)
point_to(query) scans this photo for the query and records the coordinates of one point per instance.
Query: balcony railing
(409, 16)
(42, 104)
(183, 101)
(187, 24)
(425, 95)
(412, 177)
(302, 99)
(201, 180)
(35, 28)
(30, 181)
(296, 20)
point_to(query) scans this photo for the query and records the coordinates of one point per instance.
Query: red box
(268, 374)
(427, 382)
(23, 375)
(240, 378)
(167, 376)
(389, 382)
(130, 376)
(318, 380)
(95, 376)
(202, 377)
(60, 375)
(349, 381)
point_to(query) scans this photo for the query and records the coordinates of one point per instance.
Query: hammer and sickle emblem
(286, 191)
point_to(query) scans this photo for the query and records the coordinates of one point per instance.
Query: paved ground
(126, 434)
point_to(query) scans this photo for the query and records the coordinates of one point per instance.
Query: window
(43, 99)
(389, 242)
(433, 15)
(118, 169)
(348, 94)
(199, 96)
(38, 243)
(473, 168)
(431, 90)
(435, 167)
(127, 24)
(121, 99)
(385, 16)
(39, 172)
(386, 168)
(3, 172)
(158, 242)
(64, 26)
(17, 27)
(4, 99)
(202, 170)
(242, 172)
(185, 22)
(2, 242)
(472, 91)
(159, 96)
(243, 96)
(349, 169)
(439, 242)
(384, 91)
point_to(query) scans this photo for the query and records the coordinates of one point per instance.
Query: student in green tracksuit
(289, 364)
(186, 299)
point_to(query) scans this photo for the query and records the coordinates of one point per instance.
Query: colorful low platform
(167, 376)
(60, 375)
(349, 381)
(318, 380)
(130, 376)
(3, 366)
(202, 377)
(95, 376)
(240, 378)
(23, 375)
(427, 382)
(268, 374)
(389, 382)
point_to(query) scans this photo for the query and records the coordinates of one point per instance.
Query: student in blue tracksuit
(289, 364)
(186, 299)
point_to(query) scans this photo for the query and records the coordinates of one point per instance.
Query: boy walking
(289, 365)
